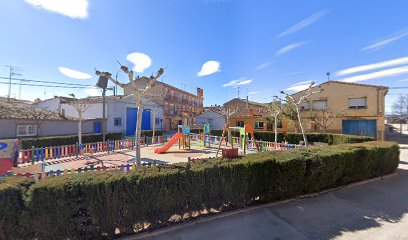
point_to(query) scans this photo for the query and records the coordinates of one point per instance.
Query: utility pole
(12, 72)
(238, 92)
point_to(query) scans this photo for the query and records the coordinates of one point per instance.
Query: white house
(121, 112)
(215, 119)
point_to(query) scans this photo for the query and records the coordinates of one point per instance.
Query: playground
(183, 146)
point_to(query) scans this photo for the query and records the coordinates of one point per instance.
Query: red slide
(170, 143)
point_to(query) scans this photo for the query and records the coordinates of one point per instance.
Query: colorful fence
(35, 155)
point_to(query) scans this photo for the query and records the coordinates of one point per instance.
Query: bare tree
(275, 109)
(400, 109)
(325, 118)
(140, 94)
(155, 110)
(81, 105)
(297, 103)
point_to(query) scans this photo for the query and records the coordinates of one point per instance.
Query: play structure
(183, 136)
(246, 135)
(9, 150)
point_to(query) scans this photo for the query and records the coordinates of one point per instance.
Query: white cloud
(291, 74)
(92, 91)
(298, 88)
(304, 23)
(386, 41)
(380, 74)
(404, 80)
(301, 83)
(384, 64)
(209, 68)
(252, 93)
(140, 60)
(263, 66)
(238, 82)
(71, 8)
(74, 73)
(289, 47)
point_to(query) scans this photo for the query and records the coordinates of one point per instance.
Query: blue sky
(261, 46)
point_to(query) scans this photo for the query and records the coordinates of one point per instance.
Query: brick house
(248, 112)
(362, 107)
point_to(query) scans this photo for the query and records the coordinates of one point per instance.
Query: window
(26, 130)
(210, 121)
(117, 122)
(357, 103)
(157, 121)
(240, 124)
(320, 105)
(305, 106)
(259, 125)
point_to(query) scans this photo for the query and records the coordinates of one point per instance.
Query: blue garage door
(131, 118)
(360, 127)
(97, 127)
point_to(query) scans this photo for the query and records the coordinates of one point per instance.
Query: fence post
(32, 154)
(76, 149)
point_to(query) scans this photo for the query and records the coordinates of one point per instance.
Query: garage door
(131, 118)
(360, 127)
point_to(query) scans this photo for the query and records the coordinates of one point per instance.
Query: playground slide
(170, 143)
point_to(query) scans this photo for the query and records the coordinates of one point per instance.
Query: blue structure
(97, 126)
(360, 127)
(131, 118)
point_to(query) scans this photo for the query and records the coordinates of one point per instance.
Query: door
(167, 124)
(360, 127)
(131, 119)
(131, 116)
(97, 127)
(146, 120)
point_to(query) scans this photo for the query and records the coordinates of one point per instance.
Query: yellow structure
(360, 108)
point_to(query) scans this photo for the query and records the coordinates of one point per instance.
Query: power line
(44, 85)
(39, 81)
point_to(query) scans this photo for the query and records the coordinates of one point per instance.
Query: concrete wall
(8, 127)
(337, 96)
(92, 112)
(217, 119)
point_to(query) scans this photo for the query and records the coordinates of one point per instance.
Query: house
(214, 118)
(175, 102)
(359, 109)
(19, 122)
(249, 112)
(121, 112)
(18, 102)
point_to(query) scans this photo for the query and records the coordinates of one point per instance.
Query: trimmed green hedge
(295, 138)
(93, 205)
(67, 140)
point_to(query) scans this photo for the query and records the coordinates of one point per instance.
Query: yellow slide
(168, 145)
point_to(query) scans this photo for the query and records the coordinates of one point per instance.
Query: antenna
(238, 92)
(328, 76)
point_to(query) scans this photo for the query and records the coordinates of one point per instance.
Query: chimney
(62, 113)
(247, 102)
(200, 93)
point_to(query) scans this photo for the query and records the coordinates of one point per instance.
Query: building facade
(18, 122)
(214, 119)
(175, 102)
(248, 113)
(121, 112)
(359, 108)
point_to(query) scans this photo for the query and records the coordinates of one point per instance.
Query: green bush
(67, 140)
(295, 138)
(88, 206)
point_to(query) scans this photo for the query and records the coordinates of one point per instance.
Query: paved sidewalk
(374, 210)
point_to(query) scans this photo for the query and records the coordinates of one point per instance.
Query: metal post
(103, 116)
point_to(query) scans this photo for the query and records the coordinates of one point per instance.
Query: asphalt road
(373, 210)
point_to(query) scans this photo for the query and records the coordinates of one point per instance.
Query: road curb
(173, 228)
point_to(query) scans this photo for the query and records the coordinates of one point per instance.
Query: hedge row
(295, 138)
(67, 140)
(93, 205)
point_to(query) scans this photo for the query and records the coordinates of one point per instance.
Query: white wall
(93, 112)
(50, 104)
(218, 120)
(117, 109)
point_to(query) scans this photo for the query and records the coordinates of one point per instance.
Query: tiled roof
(11, 111)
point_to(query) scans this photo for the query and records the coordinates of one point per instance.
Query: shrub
(87, 206)
(67, 140)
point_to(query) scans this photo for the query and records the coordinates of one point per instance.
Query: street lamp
(103, 84)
